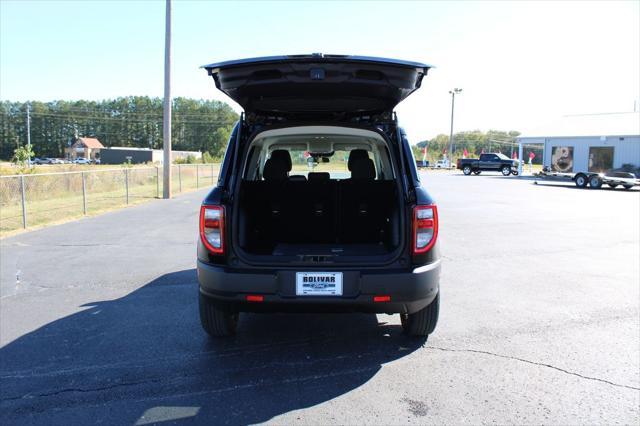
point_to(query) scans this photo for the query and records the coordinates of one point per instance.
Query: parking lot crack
(539, 364)
(79, 390)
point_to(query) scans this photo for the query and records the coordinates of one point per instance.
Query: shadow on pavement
(143, 358)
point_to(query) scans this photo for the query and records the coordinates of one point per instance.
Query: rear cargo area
(332, 217)
(345, 203)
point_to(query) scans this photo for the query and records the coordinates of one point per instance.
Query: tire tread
(216, 321)
(423, 322)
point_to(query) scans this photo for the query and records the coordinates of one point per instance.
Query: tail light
(425, 228)
(212, 228)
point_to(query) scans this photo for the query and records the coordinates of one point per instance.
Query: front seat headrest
(356, 154)
(284, 156)
(363, 169)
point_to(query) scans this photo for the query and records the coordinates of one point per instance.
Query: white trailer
(591, 150)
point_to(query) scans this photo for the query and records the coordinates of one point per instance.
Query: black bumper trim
(410, 290)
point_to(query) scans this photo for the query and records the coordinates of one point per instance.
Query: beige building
(84, 148)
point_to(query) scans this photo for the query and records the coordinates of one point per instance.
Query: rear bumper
(410, 290)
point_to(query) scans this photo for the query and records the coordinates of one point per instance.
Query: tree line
(134, 121)
(474, 142)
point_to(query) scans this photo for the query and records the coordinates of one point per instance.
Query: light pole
(453, 93)
(166, 122)
(29, 134)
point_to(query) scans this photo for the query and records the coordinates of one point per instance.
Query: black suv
(318, 206)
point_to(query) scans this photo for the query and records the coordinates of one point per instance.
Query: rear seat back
(366, 207)
(318, 210)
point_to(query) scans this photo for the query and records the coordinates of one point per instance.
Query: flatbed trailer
(593, 180)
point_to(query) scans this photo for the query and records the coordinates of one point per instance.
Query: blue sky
(521, 64)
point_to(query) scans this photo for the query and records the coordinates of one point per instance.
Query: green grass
(58, 198)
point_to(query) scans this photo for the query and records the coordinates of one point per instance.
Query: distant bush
(189, 159)
(208, 158)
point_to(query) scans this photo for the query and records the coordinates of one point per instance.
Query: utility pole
(166, 123)
(453, 93)
(29, 133)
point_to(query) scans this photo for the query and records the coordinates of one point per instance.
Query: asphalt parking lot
(539, 323)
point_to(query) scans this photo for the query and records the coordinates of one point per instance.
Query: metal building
(120, 155)
(595, 143)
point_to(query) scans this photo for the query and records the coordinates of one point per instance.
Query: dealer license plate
(319, 283)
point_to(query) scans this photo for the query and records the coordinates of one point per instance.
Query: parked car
(422, 164)
(315, 241)
(37, 161)
(493, 162)
(56, 161)
(82, 160)
(442, 164)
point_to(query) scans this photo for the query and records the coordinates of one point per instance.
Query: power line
(177, 119)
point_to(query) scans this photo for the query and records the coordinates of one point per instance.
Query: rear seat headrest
(275, 169)
(355, 155)
(319, 177)
(283, 155)
(363, 169)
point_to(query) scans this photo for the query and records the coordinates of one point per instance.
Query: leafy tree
(134, 121)
(21, 157)
(474, 141)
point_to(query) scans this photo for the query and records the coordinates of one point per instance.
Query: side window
(412, 163)
(228, 154)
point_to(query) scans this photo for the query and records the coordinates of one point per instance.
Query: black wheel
(217, 320)
(506, 171)
(581, 181)
(423, 322)
(466, 170)
(595, 182)
(477, 172)
(515, 173)
(612, 185)
(627, 186)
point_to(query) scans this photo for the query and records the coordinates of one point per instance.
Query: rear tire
(515, 173)
(477, 172)
(506, 171)
(627, 186)
(613, 185)
(466, 170)
(595, 182)
(217, 320)
(581, 181)
(423, 322)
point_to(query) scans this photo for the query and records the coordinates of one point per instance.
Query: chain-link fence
(37, 199)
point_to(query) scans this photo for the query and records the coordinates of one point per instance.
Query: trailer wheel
(627, 186)
(506, 171)
(581, 181)
(477, 172)
(595, 182)
(466, 170)
(612, 185)
(515, 173)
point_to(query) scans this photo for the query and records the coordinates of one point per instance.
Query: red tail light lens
(212, 228)
(425, 228)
